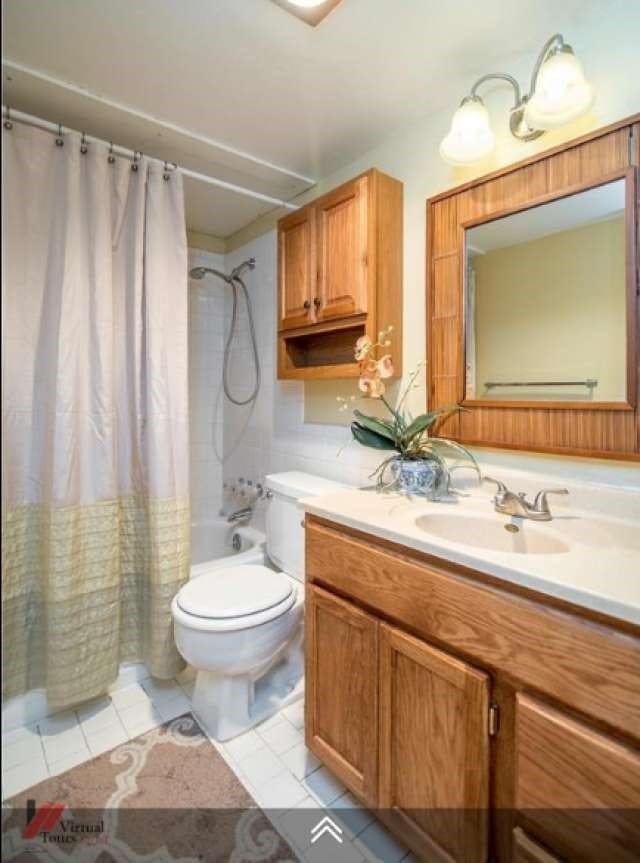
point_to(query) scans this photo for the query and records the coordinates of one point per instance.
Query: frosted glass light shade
(306, 4)
(470, 138)
(562, 94)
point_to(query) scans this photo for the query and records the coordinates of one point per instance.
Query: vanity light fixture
(559, 93)
(310, 11)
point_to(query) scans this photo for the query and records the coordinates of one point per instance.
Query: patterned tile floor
(271, 761)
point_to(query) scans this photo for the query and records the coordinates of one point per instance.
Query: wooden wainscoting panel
(515, 188)
(609, 431)
(341, 705)
(445, 227)
(444, 353)
(502, 427)
(578, 787)
(589, 162)
(446, 295)
(434, 749)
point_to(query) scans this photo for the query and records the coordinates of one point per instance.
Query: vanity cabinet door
(343, 224)
(296, 269)
(341, 710)
(434, 749)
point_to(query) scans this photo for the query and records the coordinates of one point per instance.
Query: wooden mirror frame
(597, 429)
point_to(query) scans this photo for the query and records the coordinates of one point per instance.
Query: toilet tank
(285, 534)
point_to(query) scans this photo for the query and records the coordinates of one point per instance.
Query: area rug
(168, 797)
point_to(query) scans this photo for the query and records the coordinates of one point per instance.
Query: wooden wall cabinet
(339, 277)
(584, 428)
(482, 722)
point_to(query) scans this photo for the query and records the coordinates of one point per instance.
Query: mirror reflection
(545, 301)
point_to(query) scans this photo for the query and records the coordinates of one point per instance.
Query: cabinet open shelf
(315, 354)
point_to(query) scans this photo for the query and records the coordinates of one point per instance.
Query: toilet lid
(236, 591)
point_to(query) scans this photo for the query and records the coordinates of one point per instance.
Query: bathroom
(489, 638)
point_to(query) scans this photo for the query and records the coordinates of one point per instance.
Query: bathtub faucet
(239, 515)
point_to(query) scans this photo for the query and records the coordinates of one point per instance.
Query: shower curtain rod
(10, 115)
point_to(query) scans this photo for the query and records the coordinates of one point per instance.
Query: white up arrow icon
(326, 826)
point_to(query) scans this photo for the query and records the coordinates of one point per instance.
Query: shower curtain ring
(59, 139)
(7, 123)
(136, 157)
(166, 175)
(111, 158)
(83, 144)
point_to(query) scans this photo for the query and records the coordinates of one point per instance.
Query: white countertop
(598, 566)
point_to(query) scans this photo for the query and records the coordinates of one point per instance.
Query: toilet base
(227, 706)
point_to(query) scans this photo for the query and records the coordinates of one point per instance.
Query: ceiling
(249, 76)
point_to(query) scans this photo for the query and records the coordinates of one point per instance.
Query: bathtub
(215, 543)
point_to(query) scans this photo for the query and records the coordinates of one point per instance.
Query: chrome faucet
(240, 515)
(510, 503)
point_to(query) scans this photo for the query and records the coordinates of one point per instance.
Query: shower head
(249, 264)
(198, 273)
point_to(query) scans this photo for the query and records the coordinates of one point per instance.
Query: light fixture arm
(555, 41)
(501, 76)
(518, 127)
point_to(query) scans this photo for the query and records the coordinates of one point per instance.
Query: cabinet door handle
(317, 302)
(307, 305)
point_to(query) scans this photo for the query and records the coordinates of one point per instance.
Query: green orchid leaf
(369, 438)
(379, 426)
(425, 421)
(444, 445)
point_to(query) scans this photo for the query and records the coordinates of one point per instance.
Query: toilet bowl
(240, 627)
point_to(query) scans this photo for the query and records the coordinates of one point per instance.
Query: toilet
(240, 627)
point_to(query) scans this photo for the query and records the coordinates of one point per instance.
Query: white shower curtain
(95, 415)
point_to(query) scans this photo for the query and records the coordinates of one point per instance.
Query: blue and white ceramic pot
(424, 477)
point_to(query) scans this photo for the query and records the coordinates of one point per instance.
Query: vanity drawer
(579, 788)
(544, 649)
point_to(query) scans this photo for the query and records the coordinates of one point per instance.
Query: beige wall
(411, 155)
(554, 309)
(607, 46)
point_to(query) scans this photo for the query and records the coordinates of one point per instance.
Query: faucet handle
(501, 486)
(541, 504)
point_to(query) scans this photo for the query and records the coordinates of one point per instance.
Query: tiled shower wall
(271, 434)
(230, 441)
(206, 335)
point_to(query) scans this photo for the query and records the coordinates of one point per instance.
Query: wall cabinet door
(342, 226)
(434, 749)
(296, 269)
(341, 710)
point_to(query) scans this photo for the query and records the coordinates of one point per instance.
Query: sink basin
(493, 534)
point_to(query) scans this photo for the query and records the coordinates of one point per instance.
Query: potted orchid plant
(417, 464)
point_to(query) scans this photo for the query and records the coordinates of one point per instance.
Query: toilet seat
(235, 597)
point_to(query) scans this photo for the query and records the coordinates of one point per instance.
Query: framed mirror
(533, 301)
(547, 296)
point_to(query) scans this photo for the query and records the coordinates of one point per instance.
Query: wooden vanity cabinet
(341, 715)
(433, 747)
(482, 722)
(339, 277)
